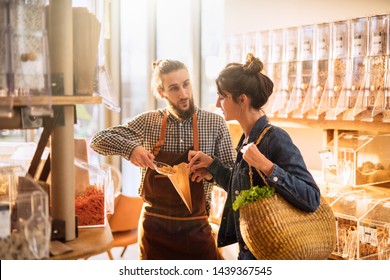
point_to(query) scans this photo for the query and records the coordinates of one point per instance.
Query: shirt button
(237, 192)
(245, 247)
(181, 141)
(275, 179)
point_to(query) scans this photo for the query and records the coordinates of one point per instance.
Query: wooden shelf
(54, 100)
(376, 125)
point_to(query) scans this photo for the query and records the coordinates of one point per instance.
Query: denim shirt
(290, 178)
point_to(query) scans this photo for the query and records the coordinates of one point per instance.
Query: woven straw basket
(274, 229)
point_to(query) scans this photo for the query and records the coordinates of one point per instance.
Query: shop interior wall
(243, 16)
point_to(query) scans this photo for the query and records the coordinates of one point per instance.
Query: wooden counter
(90, 242)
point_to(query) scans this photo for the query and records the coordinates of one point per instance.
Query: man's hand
(142, 158)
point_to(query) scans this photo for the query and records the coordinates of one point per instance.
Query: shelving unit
(60, 128)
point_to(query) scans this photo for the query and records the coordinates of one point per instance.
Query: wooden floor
(229, 253)
(130, 254)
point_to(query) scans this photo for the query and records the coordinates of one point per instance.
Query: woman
(242, 91)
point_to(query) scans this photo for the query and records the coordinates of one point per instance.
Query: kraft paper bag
(181, 181)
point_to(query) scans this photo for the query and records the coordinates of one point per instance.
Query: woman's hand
(252, 155)
(198, 163)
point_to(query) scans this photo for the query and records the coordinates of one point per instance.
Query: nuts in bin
(30, 56)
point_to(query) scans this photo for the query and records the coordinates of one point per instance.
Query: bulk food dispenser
(304, 70)
(234, 49)
(94, 194)
(264, 53)
(357, 160)
(386, 97)
(362, 222)
(319, 76)
(375, 98)
(339, 68)
(276, 69)
(357, 75)
(250, 43)
(24, 56)
(263, 50)
(25, 224)
(290, 69)
(374, 232)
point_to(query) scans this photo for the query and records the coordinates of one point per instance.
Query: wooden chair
(124, 222)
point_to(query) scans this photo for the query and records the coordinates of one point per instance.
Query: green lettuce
(253, 194)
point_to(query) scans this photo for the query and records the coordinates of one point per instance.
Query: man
(168, 230)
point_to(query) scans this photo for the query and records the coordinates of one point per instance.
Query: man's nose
(183, 92)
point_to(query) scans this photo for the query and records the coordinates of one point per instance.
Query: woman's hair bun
(253, 65)
(156, 63)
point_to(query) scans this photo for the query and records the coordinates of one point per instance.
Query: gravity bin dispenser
(363, 224)
(356, 160)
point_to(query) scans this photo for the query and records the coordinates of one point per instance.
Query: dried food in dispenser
(90, 208)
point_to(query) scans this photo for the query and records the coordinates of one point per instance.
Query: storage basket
(274, 229)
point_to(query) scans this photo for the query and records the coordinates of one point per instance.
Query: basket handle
(259, 171)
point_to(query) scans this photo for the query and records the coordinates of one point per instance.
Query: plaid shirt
(144, 129)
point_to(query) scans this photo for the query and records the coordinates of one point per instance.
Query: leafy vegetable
(253, 194)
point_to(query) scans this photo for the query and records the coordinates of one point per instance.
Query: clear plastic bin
(374, 232)
(348, 209)
(358, 160)
(94, 194)
(27, 205)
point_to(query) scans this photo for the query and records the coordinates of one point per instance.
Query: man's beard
(182, 114)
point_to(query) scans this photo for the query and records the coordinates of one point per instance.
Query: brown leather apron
(167, 228)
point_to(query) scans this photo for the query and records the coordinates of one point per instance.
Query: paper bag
(181, 181)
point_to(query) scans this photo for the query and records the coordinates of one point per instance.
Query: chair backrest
(127, 210)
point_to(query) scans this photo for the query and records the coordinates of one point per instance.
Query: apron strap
(195, 132)
(160, 142)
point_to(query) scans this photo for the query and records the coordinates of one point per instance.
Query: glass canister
(321, 65)
(339, 68)
(28, 73)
